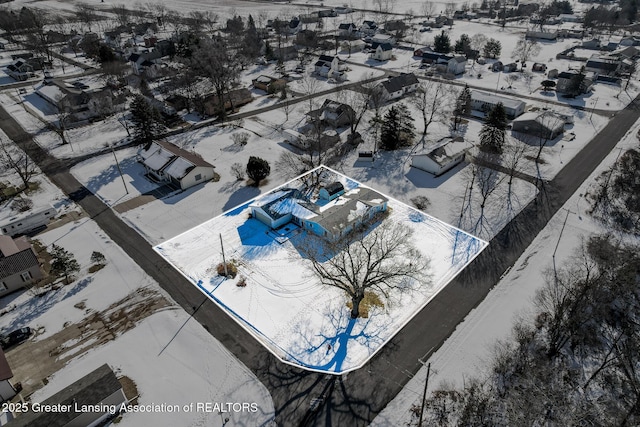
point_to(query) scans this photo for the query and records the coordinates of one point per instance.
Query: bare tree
(123, 15)
(63, 114)
(85, 15)
(525, 49)
(433, 102)
(369, 260)
(14, 158)
(428, 8)
(213, 59)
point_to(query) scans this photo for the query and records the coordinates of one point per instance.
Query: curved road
(353, 400)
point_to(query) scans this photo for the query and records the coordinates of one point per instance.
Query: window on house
(26, 276)
(198, 177)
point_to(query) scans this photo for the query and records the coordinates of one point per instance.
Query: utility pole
(424, 394)
(555, 272)
(119, 170)
(224, 261)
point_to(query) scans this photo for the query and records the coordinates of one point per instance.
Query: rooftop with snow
(283, 304)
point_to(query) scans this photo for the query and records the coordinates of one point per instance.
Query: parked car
(15, 337)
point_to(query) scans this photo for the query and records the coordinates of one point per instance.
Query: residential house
(21, 69)
(541, 35)
(165, 48)
(382, 38)
(422, 50)
(311, 138)
(99, 390)
(334, 114)
(510, 67)
(544, 124)
(497, 66)
(285, 52)
(330, 67)
(7, 390)
(352, 46)
(268, 84)
(209, 105)
(630, 41)
(604, 65)
(483, 101)
(368, 28)
(327, 13)
(457, 65)
(383, 52)
(566, 78)
(396, 87)
(629, 52)
(333, 215)
(81, 100)
(148, 61)
(307, 38)
(309, 18)
(444, 156)
(347, 30)
(593, 44)
(19, 265)
(395, 25)
(566, 17)
(168, 163)
(435, 58)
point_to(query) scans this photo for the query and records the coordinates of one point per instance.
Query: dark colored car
(15, 337)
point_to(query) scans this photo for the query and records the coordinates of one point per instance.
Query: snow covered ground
(468, 349)
(156, 354)
(284, 305)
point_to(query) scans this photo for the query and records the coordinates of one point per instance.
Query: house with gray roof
(19, 265)
(484, 101)
(168, 163)
(396, 87)
(99, 393)
(333, 214)
(443, 156)
(382, 52)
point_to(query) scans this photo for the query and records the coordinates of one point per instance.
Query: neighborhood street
(347, 400)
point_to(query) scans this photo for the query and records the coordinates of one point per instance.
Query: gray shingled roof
(17, 263)
(395, 84)
(336, 218)
(91, 389)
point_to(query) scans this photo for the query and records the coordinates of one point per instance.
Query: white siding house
(383, 52)
(395, 87)
(171, 164)
(448, 153)
(483, 101)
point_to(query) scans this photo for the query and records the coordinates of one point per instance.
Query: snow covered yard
(284, 305)
(158, 345)
(470, 347)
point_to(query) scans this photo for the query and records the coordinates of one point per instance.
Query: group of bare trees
(576, 361)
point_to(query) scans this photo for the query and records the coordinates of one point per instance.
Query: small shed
(331, 191)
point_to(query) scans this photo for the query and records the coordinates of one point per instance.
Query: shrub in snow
(231, 269)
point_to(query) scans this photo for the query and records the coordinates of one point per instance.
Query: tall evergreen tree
(492, 48)
(63, 262)
(463, 106)
(397, 128)
(493, 132)
(576, 84)
(442, 43)
(463, 44)
(146, 120)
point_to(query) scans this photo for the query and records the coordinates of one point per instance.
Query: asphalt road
(353, 400)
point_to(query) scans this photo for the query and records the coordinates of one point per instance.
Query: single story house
(383, 38)
(566, 78)
(395, 87)
(334, 113)
(268, 84)
(353, 46)
(335, 214)
(83, 101)
(383, 52)
(422, 50)
(484, 101)
(171, 164)
(7, 390)
(544, 124)
(446, 154)
(541, 35)
(604, 65)
(539, 67)
(19, 265)
(99, 390)
(210, 104)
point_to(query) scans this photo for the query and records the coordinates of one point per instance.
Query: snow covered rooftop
(283, 305)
